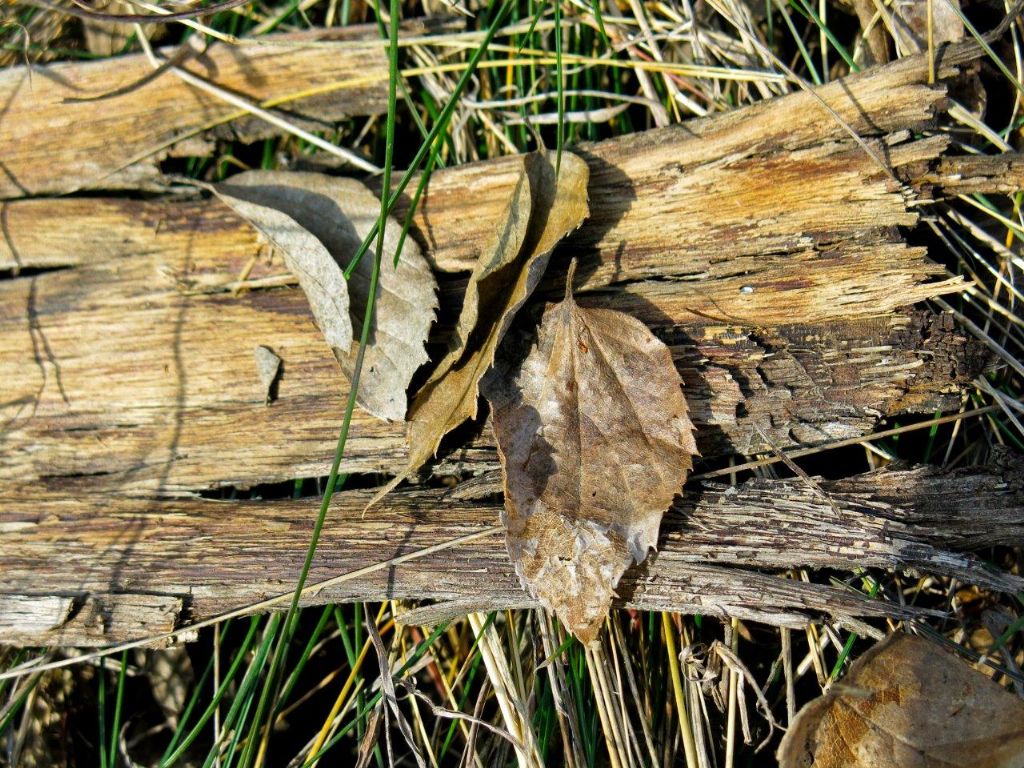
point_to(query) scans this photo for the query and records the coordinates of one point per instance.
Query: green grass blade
(115, 729)
(270, 688)
(560, 87)
(839, 47)
(439, 128)
(14, 707)
(420, 187)
(980, 39)
(533, 27)
(239, 710)
(422, 647)
(193, 699)
(804, 54)
(596, 8)
(293, 677)
(225, 685)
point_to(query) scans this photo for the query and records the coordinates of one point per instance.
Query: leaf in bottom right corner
(906, 703)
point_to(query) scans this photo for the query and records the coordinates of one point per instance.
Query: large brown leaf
(504, 277)
(292, 209)
(595, 441)
(908, 704)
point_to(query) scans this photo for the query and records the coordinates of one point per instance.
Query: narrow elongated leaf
(505, 276)
(338, 213)
(489, 274)
(500, 286)
(595, 441)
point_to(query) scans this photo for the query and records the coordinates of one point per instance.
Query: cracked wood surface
(786, 315)
(51, 145)
(162, 393)
(128, 369)
(211, 556)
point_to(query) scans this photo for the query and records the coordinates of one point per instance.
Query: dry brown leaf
(338, 213)
(307, 258)
(908, 704)
(595, 441)
(505, 276)
(488, 277)
(910, 20)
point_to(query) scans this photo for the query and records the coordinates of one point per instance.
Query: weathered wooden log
(110, 379)
(52, 141)
(207, 556)
(763, 245)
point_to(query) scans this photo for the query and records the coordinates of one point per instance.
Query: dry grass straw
(511, 696)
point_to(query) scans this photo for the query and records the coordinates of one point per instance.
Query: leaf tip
(384, 491)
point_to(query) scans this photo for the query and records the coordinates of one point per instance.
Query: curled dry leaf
(318, 223)
(268, 366)
(306, 258)
(907, 704)
(543, 208)
(595, 440)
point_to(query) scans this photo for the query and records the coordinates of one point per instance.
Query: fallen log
(187, 559)
(136, 388)
(56, 136)
(763, 245)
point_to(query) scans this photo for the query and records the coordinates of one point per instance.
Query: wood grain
(215, 555)
(114, 372)
(785, 313)
(764, 246)
(951, 176)
(51, 145)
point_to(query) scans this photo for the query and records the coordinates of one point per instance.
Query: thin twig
(279, 122)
